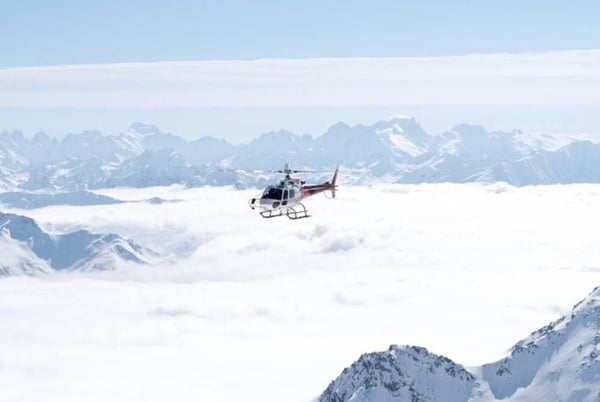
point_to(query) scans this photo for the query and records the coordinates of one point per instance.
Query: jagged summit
(406, 122)
(339, 127)
(559, 362)
(401, 373)
(143, 128)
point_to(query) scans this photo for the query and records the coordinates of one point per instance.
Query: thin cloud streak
(556, 78)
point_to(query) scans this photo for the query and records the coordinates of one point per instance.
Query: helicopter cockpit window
(285, 195)
(272, 193)
(292, 194)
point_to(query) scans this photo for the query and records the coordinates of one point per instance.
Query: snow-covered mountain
(402, 373)
(559, 362)
(31, 250)
(395, 150)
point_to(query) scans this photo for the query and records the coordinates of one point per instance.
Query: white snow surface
(560, 362)
(268, 310)
(401, 143)
(18, 259)
(553, 142)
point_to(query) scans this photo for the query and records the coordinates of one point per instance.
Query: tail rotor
(333, 180)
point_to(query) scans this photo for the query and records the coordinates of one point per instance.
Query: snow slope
(405, 373)
(559, 362)
(573, 163)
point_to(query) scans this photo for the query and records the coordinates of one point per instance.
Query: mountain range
(559, 362)
(396, 150)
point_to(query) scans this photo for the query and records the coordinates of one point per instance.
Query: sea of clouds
(236, 307)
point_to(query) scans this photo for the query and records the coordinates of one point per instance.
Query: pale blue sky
(74, 31)
(40, 33)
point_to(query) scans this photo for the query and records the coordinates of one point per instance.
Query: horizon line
(292, 59)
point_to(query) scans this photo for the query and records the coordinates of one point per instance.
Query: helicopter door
(285, 197)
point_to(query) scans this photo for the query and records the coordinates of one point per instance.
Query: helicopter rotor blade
(256, 171)
(279, 171)
(311, 171)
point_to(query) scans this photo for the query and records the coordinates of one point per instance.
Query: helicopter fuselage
(280, 197)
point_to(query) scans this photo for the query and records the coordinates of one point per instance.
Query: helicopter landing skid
(269, 214)
(291, 213)
(294, 214)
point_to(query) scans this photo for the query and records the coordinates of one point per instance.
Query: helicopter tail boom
(319, 188)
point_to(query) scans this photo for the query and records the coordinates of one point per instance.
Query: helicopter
(285, 198)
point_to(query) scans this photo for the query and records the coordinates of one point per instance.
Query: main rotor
(287, 171)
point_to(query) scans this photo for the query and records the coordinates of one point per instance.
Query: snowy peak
(394, 142)
(405, 373)
(148, 137)
(338, 128)
(281, 140)
(143, 128)
(75, 251)
(85, 251)
(407, 126)
(404, 136)
(272, 149)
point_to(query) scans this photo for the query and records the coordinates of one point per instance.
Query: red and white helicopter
(286, 197)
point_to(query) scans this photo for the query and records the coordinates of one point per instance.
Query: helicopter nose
(268, 204)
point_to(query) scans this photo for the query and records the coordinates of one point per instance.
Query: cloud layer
(244, 308)
(556, 78)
